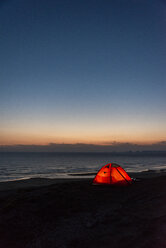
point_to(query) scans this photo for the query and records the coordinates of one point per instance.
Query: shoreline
(41, 181)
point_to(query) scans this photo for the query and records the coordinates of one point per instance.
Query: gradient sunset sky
(83, 71)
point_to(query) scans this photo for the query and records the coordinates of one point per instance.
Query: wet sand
(73, 213)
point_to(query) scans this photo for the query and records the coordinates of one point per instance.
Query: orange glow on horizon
(44, 141)
(87, 134)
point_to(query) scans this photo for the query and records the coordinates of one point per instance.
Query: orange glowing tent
(112, 174)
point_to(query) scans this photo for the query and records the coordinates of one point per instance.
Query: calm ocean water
(15, 166)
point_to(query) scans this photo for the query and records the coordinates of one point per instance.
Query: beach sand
(74, 213)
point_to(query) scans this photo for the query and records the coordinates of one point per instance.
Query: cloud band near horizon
(81, 147)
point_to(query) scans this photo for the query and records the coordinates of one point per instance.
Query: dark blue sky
(82, 71)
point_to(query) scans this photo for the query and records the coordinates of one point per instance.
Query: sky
(89, 72)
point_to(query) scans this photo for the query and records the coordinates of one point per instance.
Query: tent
(112, 174)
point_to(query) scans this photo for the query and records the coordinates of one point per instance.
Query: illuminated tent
(112, 174)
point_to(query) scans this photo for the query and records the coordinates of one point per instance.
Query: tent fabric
(112, 174)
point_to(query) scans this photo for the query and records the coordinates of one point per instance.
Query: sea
(25, 165)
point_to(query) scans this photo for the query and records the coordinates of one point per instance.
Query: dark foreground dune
(73, 213)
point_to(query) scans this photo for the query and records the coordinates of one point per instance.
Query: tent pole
(123, 176)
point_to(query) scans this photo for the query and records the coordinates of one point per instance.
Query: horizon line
(83, 147)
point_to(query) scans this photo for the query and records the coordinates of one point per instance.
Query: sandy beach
(74, 213)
